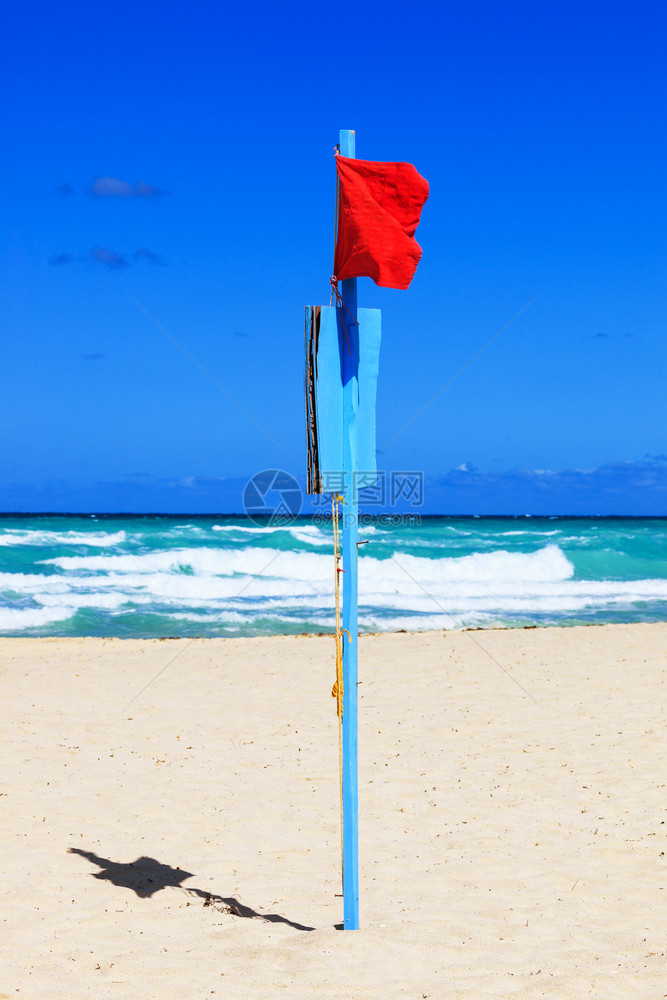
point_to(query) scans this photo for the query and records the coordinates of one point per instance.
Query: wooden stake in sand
(378, 210)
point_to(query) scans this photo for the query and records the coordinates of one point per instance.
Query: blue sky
(180, 155)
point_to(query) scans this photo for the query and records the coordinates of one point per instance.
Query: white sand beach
(170, 817)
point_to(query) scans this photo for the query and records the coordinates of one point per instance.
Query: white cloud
(113, 187)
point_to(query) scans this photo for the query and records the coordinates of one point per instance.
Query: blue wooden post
(350, 371)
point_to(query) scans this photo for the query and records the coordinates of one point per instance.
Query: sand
(183, 840)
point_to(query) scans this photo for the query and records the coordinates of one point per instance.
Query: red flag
(379, 206)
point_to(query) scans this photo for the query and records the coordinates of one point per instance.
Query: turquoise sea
(107, 575)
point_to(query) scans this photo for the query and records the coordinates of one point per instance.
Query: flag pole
(349, 348)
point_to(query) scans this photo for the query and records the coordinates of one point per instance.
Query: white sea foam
(531, 534)
(17, 619)
(224, 618)
(100, 600)
(407, 591)
(234, 527)
(546, 564)
(97, 539)
(301, 532)
(208, 574)
(204, 562)
(420, 623)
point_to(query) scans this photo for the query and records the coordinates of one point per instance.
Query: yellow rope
(337, 690)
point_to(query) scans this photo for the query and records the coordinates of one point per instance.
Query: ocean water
(224, 576)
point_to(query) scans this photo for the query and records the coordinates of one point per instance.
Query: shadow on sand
(146, 876)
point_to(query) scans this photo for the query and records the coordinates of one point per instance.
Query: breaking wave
(157, 578)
